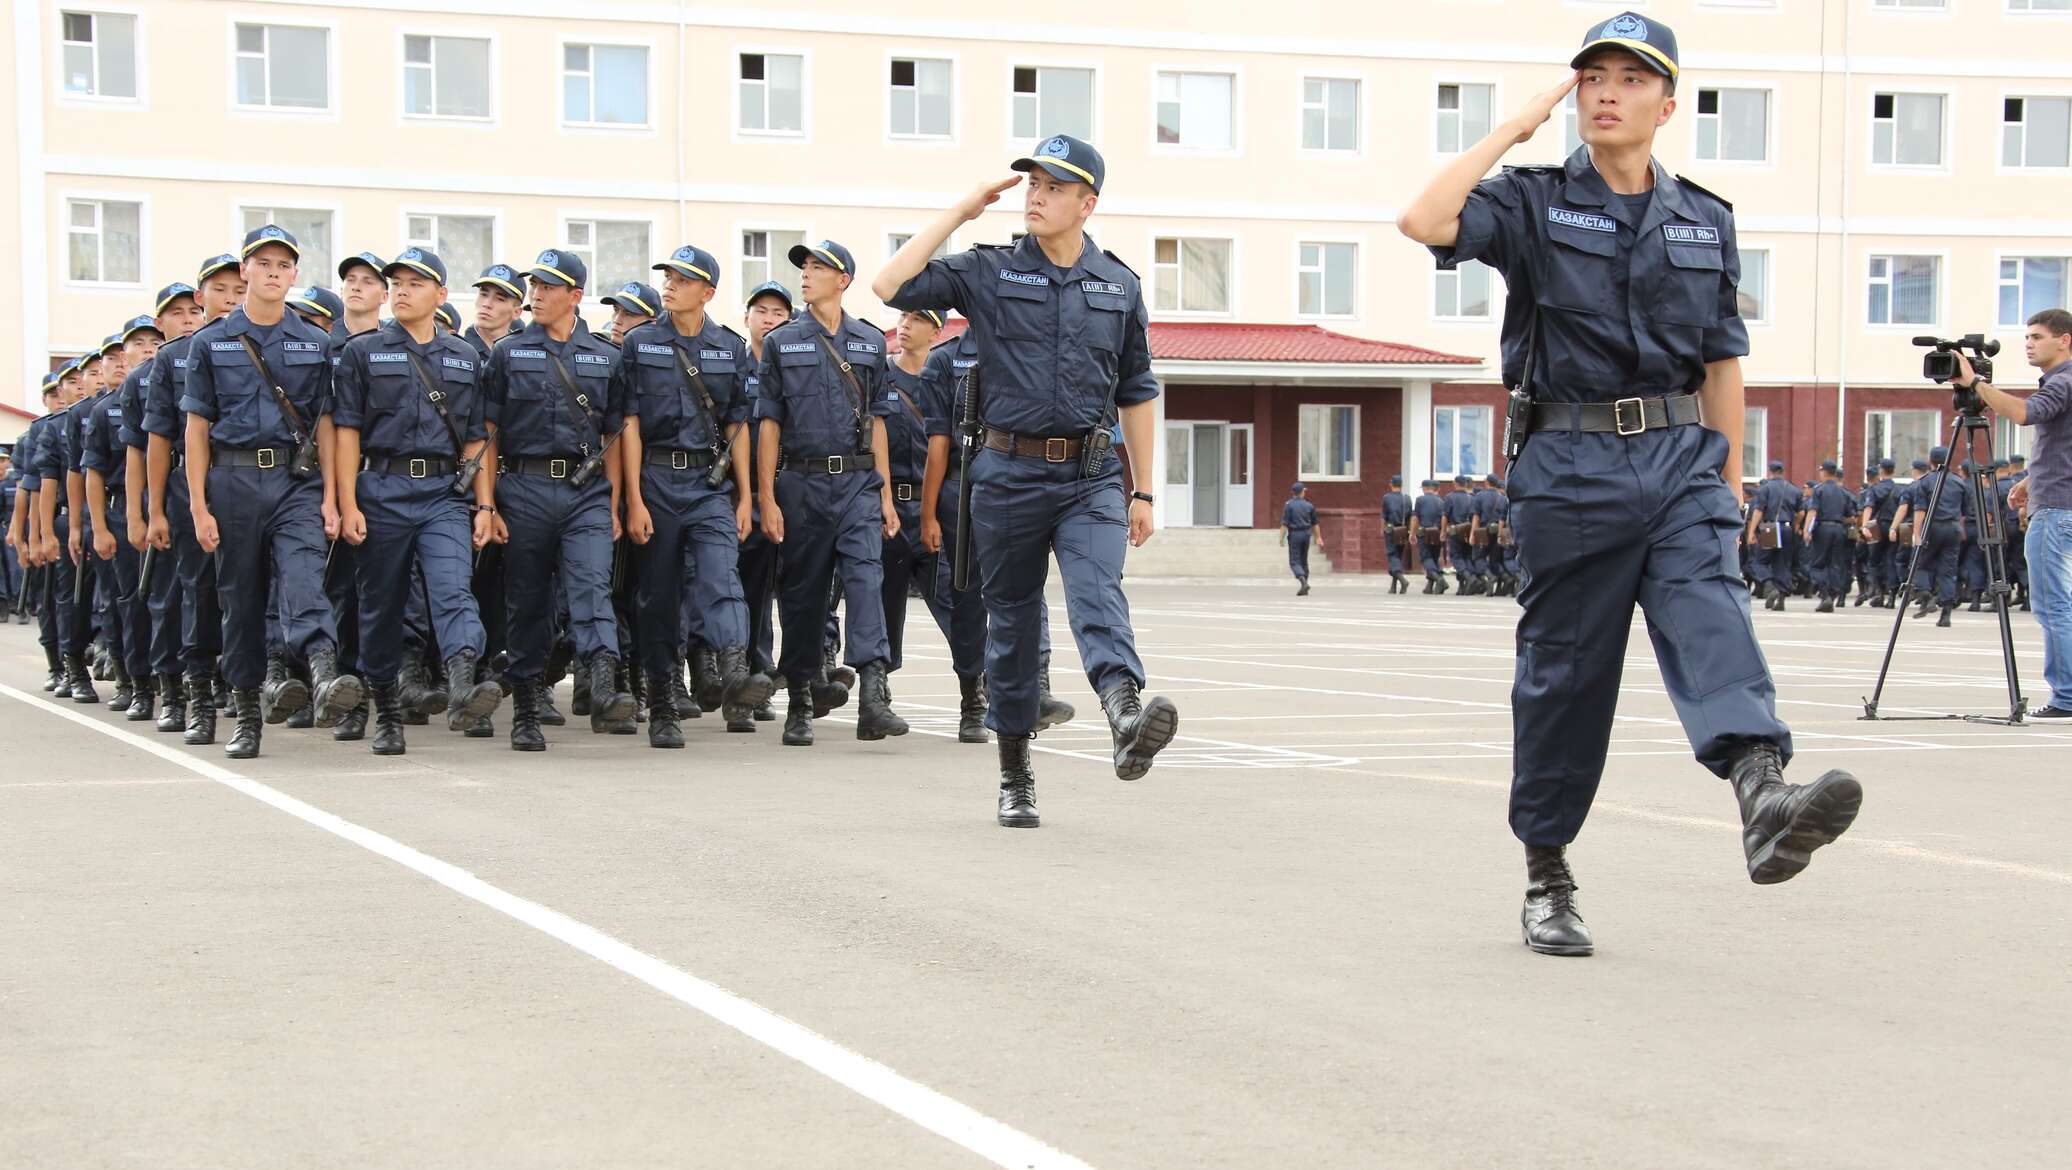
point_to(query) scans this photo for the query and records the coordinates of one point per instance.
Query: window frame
(1321, 476)
(1456, 409)
(1942, 291)
(735, 81)
(1234, 278)
(1498, 290)
(1236, 74)
(329, 111)
(138, 67)
(956, 112)
(438, 212)
(1755, 441)
(1904, 470)
(562, 44)
(1093, 69)
(1769, 91)
(740, 259)
(948, 246)
(598, 288)
(2008, 8)
(1302, 107)
(65, 199)
(2003, 256)
(2026, 94)
(1769, 318)
(1949, 117)
(1357, 243)
(403, 68)
(335, 210)
(1496, 105)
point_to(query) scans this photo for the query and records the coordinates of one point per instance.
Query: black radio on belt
(1518, 406)
(1093, 452)
(587, 470)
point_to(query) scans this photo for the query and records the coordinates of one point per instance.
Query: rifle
(968, 439)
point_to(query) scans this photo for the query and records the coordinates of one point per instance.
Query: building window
(1053, 101)
(2036, 132)
(1904, 289)
(894, 241)
(105, 241)
(616, 252)
(464, 242)
(100, 54)
(1571, 127)
(1330, 113)
(1915, 5)
(2039, 6)
(445, 77)
(1734, 125)
(2009, 439)
(1460, 441)
(1752, 295)
(1755, 443)
(604, 85)
(283, 67)
(1326, 276)
(1907, 129)
(920, 98)
(1463, 293)
(1197, 110)
(311, 228)
(1901, 436)
(1327, 442)
(766, 255)
(1190, 276)
(1463, 116)
(773, 93)
(2031, 284)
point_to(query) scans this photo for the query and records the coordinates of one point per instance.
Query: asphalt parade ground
(1293, 945)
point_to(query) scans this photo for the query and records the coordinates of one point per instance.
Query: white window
(766, 255)
(1907, 129)
(100, 54)
(1326, 278)
(445, 77)
(1734, 125)
(1461, 441)
(464, 242)
(773, 89)
(1905, 290)
(1330, 113)
(1197, 110)
(1327, 442)
(1752, 295)
(2031, 284)
(1755, 443)
(1571, 127)
(921, 98)
(311, 228)
(2039, 6)
(1918, 5)
(1051, 101)
(105, 242)
(1901, 436)
(617, 252)
(604, 85)
(1464, 293)
(1463, 112)
(2009, 439)
(2036, 131)
(894, 241)
(1190, 276)
(282, 66)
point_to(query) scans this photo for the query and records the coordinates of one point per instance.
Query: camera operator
(2045, 496)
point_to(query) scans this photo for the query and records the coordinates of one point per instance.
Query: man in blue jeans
(2046, 494)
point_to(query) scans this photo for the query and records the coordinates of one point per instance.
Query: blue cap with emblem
(1396, 480)
(271, 233)
(448, 316)
(1065, 157)
(1887, 464)
(138, 324)
(1296, 486)
(503, 277)
(1830, 466)
(1651, 41)
(557, 267)
(367, 260)
(932, 316)
(170, 293)
(50, 380)
(1492, 480)
(770, 288)
(1776, 465)
(109, 344)
(693, 262)
(827, 252)
(635, 297)
(320, 301)
(1938, 454)
(418, 260)
(213, 265)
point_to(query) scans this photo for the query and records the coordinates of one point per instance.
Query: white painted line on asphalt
(992, 1140)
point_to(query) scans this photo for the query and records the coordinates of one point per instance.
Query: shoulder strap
(908, 401)
(299, 428)
(695, 381)
(848, 376)
(578, 401)
(438, 400)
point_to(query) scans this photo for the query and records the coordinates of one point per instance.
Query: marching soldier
(177, 314)
(769, 305)
(906, 558)
(1395, 529)
(365, 292)
(1298, 529)
(1459, 532)
(106, 464)
(499, 295)
(1427, 533)
(1938, 534)
(1880, 502)
(1494, 521)
(1825, 532)
(1770, 517)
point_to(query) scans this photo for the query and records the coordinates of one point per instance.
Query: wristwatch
(1144, 496)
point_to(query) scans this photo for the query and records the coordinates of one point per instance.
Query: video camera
(1939, 366)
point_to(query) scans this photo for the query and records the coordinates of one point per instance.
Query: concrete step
(1217, 553)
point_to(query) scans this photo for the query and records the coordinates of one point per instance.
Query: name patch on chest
(963, 363)
(863, 347)
(662, 350)
(1583, 220)
(796, 347)
(454, 363)
(1101, 286)
(226, 346)
(396, 358)
(300, 346)
(716, 355)
(1033, 279)
(1683, 233)
(528, 353)
(590, 359)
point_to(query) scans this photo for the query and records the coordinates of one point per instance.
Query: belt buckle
(418, 469)
(1061, 446)
(263, 458)
(1640, 412)
(836, 465)
(557, 469)
(679, 460)
(903, 492)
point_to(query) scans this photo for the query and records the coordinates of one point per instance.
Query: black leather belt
(1825, 523)
(556, 467)
(1050, 450)
(676, 460)
(416, 467)
(1627, 416)
(830, 464)
(263, 458)
(905, 490)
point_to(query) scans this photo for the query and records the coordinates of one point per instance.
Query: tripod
(1971, 427)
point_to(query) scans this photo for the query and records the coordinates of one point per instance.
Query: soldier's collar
(1585, 185)
(1028, 256)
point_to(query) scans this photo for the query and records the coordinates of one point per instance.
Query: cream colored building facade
(1897, 166)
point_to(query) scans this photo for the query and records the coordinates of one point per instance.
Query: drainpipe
(1842, 332)
(683, 218)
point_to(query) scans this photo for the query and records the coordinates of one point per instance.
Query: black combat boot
(609, 706)
(1827, 604)
(414, 690)
(201, 713)
(971, 708)
(1017, 784)
(1926, 603)
(388, 722)
(57, 669)
(635, 685)
(1550, 921)
(874, 716)
(100, 671)
(281, 692)
(1977, 603)
(549, 713)
(828, 694)
(244, 741)
(81, 680)
(742, 690)
(305, 716)
(579, 702)
(798, 716)
(838, 674)
(525, 718)
(1943, 622)
(335, 693)
(125, 688)
(1782, 824)
(353, 727)
(1140, 729)
(1050, 710)
(709, 678)
(467, 701)
(663, 729)
(219, 692)
(143, 701)
(172, 706)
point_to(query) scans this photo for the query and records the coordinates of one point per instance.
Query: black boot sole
(1058, 712)
(1017, 822)
(335, 698)
(518, 746)
(1830, 809)
(977, 736)
(481, 701)
(1155, 729)
(1564, 950)
(755, 690)
(287, 699)
(382, 749)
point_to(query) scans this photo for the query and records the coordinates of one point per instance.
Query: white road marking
(992, 1140)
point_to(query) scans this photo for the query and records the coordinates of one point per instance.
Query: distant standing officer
(1395, 532)
(1826, 533)
(1938, 534)
(1776, 509)
(1298, 530)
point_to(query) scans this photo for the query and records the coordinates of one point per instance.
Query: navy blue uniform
(193, 608)
(262, 511)
(1056, 348)
(54, 606)
(1299, 516)
(1494, 509)
(756, 565)
(1832, 505)
(86, 623)
(104, 451)
(962, 616)
(1635, 295)
(161, 607)
(52, 455)
(1430, 512)
(1460, 519)
(1935, 566)
(1885, 497)
(1779, 503)
(1395, 513)
(906, 439)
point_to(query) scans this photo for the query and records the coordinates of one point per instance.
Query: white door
(1178, 495)
(1237, 480)
(1210, 463)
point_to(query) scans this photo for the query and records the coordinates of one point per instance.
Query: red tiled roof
(1218, 341)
